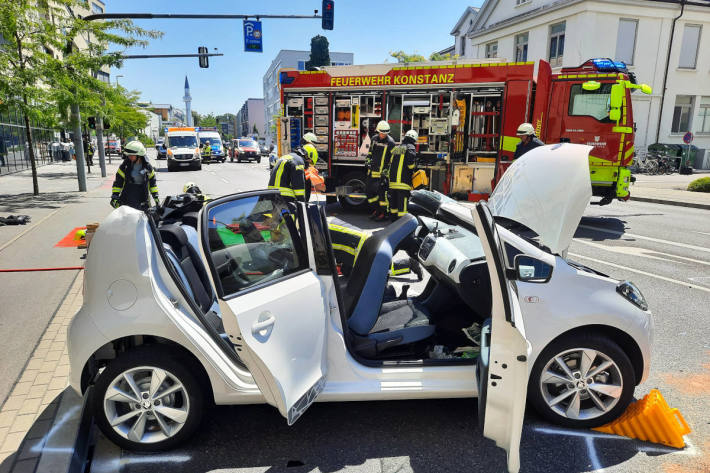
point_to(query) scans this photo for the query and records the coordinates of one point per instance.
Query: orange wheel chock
(651, 420)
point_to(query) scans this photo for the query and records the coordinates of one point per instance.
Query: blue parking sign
(252, 36)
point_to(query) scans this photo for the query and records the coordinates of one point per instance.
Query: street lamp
(117, 84)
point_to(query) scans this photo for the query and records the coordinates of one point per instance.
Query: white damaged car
(240, 302)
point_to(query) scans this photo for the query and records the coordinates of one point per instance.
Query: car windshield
(182, 141)
(247, 143)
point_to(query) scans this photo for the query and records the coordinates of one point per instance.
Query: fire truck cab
(466, 113)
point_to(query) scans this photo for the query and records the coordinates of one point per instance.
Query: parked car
(113, 146)
(247, 307)
(246, 150)
(162, 151)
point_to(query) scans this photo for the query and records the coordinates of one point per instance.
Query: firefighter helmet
(412, 134)
(310, 138)
(134, 148)
(525, 129)
(191, 188)
(383, 127)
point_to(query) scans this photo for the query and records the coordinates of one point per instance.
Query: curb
(671, 202)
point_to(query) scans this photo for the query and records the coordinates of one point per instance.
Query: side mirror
(591, 85)
(529, 269)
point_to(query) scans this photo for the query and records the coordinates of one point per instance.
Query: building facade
(638, 32)
(293, 59)
(152, 128)
(251, 116)
(461, 46)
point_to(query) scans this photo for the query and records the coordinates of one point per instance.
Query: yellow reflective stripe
(364, 237)
(399, 168)
(116, 189)
(345, 248)
(375, 174)
(622, 129)
(121, 173)
(509, 143)
(342, 229)
(404, 211)
(300, 192)
(154, 189)
(400, 186)
(629, 152)
(285, 191)
(299, 166)
(373, 199)
(279, 173)
(151, 175)
(395, 272)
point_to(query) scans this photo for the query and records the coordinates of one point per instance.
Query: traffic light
(204, 59)
(92, 122)
(328, 10)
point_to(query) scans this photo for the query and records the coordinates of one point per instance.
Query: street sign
(688, 138)
(252, 36)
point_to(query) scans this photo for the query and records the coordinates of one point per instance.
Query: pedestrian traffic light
(328, 10)
(204, 59)
(92, 122)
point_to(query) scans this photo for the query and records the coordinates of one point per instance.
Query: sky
(367, 28)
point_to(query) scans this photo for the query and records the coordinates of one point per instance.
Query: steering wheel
(230, 268)
(281, 258)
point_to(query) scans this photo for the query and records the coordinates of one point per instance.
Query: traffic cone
(651, 420)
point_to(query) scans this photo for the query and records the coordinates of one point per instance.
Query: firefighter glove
(115, 203)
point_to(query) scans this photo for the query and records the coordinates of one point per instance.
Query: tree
(320, 56)
(123, 112)
(208, 120)
(442, 57)
(255, 130)
(195, 118)
(403, 57)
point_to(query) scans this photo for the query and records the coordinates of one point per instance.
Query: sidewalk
(670, 189)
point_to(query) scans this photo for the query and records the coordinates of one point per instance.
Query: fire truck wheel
(356, 181)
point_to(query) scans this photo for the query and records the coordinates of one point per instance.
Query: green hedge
(700, 185)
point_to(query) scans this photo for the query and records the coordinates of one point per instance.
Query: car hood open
(547, 190)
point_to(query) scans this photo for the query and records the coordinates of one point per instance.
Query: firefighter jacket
(288, 178)
(124, 183)
(402, 165)
(521, 148)
(379, 156)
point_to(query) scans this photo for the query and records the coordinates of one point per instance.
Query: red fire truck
(466, 114)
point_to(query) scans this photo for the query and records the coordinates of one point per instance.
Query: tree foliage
(195, 118)
(403, 57)
(123, 113)
(208, 120)
(320, 55)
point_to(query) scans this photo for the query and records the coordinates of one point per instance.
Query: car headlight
(632, 294)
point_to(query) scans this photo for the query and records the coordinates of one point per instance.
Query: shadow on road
(13, 203)
(421, 436)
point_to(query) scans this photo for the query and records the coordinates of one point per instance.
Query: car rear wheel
(582, 381)
(148, 400)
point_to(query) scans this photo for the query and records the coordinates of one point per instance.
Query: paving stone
(30, 406)
(12, 442)
(22, 423)
(34, 364)
(3, 433)
(50, 396)
(48, 366)
(53, 355)
(13, 403)
(42, 379)
(29, 375)
(7, 417)
(21, 389)
(62, 370)
(36, 391)
(58, 382)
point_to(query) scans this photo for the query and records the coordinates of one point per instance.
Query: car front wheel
(582, 381)
(147, 400)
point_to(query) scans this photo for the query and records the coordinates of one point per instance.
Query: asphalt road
(665, 250)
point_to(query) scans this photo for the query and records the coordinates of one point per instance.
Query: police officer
(377, 164)
(135, 179)
(528, 140)
(400, 173)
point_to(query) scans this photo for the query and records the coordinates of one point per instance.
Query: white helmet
(412, 134)
(310, 138)
(383, 127)
(525, 129)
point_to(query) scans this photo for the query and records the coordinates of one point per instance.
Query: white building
(295, 59)
(152, 128)
(461, 28)
(251, 116)
(638, 32)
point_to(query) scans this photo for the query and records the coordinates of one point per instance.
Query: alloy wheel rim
(146, 404)
(358, 188)
(581, 384)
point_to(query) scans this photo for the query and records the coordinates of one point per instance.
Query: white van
(183, 149)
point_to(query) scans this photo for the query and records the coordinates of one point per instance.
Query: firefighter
(309, 154)
(400, 173)
(288, 177)
(377, 164)
(347, 241)
(135, 179)
(528, 140)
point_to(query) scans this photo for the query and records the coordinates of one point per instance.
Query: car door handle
(265, 320)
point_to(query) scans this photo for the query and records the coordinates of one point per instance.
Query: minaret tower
(188, 100)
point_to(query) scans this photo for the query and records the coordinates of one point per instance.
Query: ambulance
(466, 113)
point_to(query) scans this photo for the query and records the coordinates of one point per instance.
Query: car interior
(440, 324)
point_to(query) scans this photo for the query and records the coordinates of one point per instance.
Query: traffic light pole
(173, 16)
(100, 144)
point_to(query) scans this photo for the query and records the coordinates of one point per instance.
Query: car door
(272, 303)
(502, 367)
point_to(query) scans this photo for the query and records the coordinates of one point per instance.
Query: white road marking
(625, 268)
(702, 233)
(641, 237)
(636, 251)
(592, 452)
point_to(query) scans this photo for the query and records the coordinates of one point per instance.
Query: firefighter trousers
(376, 194)
(398, 199)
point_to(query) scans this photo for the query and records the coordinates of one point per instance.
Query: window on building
(689, 46)
(626, 40)
(492, 49)
(592, 103)
(682, 114)
(704, 115)
(557, 44)
(96, 8)
(301, 65)
(463, 45)
(521, 47)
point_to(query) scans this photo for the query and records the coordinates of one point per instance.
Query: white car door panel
(502, 369)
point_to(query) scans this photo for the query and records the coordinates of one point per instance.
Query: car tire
(356, 179)
(142, 365)
(595, 406)
(198, 167)
(170, 167)
(258, 160)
